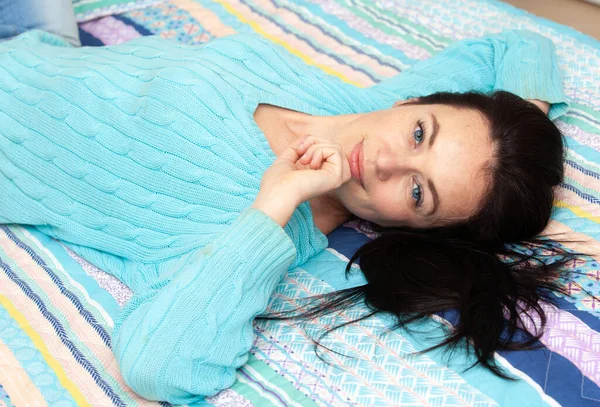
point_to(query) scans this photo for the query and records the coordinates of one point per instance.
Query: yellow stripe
(209, 20)
(578, 211)
(41, 347)
(292, 50)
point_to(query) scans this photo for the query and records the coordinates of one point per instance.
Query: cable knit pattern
(144, 158)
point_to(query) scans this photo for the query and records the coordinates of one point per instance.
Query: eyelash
(420, 125)
(419, 202)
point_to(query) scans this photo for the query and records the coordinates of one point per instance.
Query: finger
(309, 141)
(337, 165)
(329, 168)
(289, 154)
(327, 158)
(293, 153)
(299, 141)
(305, 145)
(307, 156)
(317, 159)
(322, 155)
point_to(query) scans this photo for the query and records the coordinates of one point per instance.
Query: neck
(328, 213)
(326, 127)
(281, 127)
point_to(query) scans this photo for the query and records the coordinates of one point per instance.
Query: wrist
(279, 207)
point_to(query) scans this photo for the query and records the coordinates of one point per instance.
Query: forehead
(461, 152)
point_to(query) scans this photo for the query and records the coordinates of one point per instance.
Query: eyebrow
(436, 198)
(436, 128)
(434, 194)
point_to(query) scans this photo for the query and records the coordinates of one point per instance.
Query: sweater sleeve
(184, 336)
(517, 61)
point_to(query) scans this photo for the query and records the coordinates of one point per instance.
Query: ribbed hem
(258, 240)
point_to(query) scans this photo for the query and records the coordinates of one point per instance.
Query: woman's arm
(184, 336)
(521, 62)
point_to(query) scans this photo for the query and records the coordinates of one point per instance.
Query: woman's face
(423, 165)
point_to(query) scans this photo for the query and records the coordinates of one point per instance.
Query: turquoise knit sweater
(144, 158)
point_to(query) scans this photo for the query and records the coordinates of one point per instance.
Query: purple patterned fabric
(109, 30)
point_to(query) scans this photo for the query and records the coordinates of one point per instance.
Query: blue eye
(419, 133)
(417, 193)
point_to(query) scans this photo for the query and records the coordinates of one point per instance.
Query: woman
(185, 171)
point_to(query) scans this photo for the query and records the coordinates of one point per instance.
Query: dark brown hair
(493, 268)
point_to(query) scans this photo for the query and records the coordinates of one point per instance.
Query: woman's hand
(544, 106)
(309, 167)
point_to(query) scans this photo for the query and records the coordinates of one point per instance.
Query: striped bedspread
(57, 311)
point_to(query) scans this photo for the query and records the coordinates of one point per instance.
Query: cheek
(386, 206)
(391, 206)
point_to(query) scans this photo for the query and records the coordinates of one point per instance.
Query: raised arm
(184, 336)
(517, 61)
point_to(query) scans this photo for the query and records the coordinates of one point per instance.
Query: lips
(356, 163)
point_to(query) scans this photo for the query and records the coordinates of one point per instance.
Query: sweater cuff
(258, 240)
(532, 72)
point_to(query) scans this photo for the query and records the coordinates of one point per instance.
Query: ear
(401, 102)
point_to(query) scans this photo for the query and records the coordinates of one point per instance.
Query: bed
(57, 310)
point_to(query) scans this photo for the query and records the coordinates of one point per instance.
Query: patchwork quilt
(57, 310)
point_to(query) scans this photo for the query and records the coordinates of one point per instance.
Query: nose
(389, 164)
